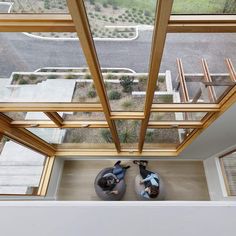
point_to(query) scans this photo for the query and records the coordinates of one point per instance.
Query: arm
(110, 175)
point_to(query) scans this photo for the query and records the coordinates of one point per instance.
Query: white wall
(216, 138)
(116, 219)
(215, 180)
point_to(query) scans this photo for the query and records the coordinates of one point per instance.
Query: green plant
(23, 81)
(110, 76)
(33, 77)
(71, 77)
(105, 5)
(52, 77)
(92, 2)
(161, 79)
(16, 77)
(114, 95)
(97, 8)
(127, 83)
(142, 82)
(127, 104)
(87, 76)
(106, 135)
(149, 136)
(91, 94)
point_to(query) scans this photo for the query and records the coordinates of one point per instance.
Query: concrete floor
(184, 180)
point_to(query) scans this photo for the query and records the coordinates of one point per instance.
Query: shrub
(105, 5)
(92, 94)
(114, 95)
(147, 13)
(149, 136)
(71, 77)
(92, 2)
(33, 77)
(127, 135)
(142, 82)
(161, 79)
(52, 77)
(16, 77)
(127, 104)
(97, 8)
(87, 76)
(127, 83)
(106, 135)
(23, 81)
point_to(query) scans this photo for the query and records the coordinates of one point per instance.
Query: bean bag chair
(140, 187)
(120, 187)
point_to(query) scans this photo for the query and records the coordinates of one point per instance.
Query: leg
(143, 172)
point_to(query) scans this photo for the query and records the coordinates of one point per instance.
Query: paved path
(22, 53)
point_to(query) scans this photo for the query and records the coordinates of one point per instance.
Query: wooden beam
(50, 107)
(64, 23)
(55, 117)
(79, 16)
(45, 177)
(185, 107)
(127, 115)
(163, 12)
(26, 138)
(202, 24)
(36, 23)
(174, 124)
(207, 77)
(231, 69)
(64, 124)
(197, 96)
(228, 101)
(182, 81)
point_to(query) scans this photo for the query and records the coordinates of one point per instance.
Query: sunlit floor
(183, 180)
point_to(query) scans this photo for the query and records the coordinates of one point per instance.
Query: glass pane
(19, 174)
(204, 7)
(33, 6)
(83, 116)
(165, 138)
(128, 131)
(229, 167)
(177, 116)
(131, 24)
(82, 137)
(191, 49)
(38, 70)
(26, 115)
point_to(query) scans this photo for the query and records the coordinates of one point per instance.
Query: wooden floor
(183, 180)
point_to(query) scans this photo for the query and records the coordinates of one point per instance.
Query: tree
(230, 7)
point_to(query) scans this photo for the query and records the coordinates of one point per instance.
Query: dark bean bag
(140, 187)
(120, 187)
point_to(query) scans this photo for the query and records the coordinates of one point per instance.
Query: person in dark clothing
(108, 181)
(150, 180)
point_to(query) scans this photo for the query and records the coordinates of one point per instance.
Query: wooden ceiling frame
(64, 23)
(80, 19)
(164, 23)
(163, 13)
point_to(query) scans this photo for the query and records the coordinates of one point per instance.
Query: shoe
(117, 163)
(126, 167)
(136, 162)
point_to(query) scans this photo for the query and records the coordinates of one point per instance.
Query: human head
(102, 182)
(153, 191)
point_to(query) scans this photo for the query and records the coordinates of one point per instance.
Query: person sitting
(150, 180)
(108, 181)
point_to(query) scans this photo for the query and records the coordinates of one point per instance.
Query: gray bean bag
(120, 187)
(140, 187)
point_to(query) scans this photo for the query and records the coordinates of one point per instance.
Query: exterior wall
(108, 218)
